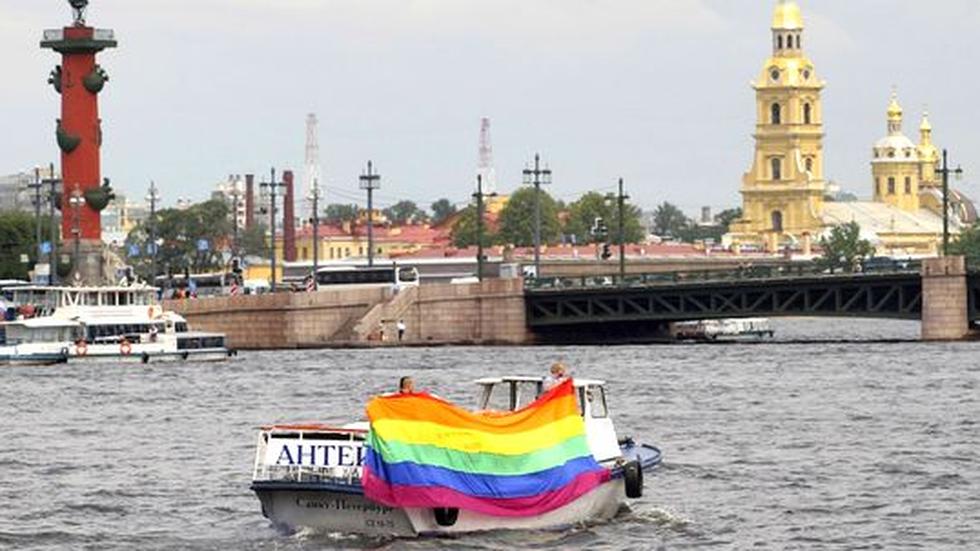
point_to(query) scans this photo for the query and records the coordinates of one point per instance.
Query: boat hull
(334, 510)
(216, 355)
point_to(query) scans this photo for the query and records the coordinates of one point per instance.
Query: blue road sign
(46, 247)
(202, 245)
(134, 250)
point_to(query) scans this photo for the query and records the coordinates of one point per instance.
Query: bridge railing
(745, 273)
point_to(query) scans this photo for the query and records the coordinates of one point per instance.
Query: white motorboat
(724, 330)
(48, 325)
(310, 476)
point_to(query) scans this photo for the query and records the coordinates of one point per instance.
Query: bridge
(638, 306)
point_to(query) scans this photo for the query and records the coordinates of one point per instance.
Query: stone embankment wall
(489, 312)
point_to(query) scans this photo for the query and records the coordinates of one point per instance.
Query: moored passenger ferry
(47, 325)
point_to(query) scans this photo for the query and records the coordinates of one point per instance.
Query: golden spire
(926, 127)
(894, 109)
(787, 16)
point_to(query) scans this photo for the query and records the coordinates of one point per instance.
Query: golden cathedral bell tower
(783, 192)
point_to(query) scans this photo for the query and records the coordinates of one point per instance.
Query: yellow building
(784, 194)
(350, 242)
(896, 168)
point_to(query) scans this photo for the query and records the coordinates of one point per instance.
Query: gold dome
(926, 126)
(894, 109)
(787, 16)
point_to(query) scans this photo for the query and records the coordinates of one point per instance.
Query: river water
(857, 445)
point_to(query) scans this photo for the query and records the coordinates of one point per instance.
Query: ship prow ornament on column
(80, 80)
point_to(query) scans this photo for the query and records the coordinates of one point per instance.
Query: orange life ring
(125, 348)
(81, 348)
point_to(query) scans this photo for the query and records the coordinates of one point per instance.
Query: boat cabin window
(510, 395)
(194, 343)
(527, 393)
(181, 327)
(596, 396)
(498, 398)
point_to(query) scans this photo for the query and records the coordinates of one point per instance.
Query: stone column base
(91, 262)
(945, 299)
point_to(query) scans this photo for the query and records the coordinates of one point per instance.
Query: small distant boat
(723, 330)
(50, 325)
(326, 478)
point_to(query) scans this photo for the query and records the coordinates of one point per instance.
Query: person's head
(557, 369)
(406, 385)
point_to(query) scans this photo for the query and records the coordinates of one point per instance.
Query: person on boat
(401, 329)
(556, 375)
(406, 385)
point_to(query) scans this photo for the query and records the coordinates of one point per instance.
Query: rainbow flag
(426, 452)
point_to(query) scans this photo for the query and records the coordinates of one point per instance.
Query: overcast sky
(656, 91)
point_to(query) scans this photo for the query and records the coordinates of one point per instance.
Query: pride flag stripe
(480, 485)
(422, 407)
(475, 441)
(482, 463)
(417, 496)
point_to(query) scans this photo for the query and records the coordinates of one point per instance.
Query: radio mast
(485, 167)
(312, 178)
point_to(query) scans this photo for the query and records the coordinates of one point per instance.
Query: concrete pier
(945, 301)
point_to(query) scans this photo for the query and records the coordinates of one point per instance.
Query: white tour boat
(325, 493)
(724, 330)
(48, 325)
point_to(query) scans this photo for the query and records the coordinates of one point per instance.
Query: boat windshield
(510, 395)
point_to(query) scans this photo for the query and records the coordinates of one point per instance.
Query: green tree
(464, 232)
(16, 241)
(336, 214)
(669, 221)
(441, 210)
(517, 219)
(254, 241)
(844, 248)
(405, 212)
(727, 217)
(583, 212)
(17, 238)
(968, 245)
(178, 233)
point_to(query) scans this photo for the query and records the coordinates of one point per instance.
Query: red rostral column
(289, 218)
(79, 131)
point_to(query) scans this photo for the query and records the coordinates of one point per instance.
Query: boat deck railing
(742, 273)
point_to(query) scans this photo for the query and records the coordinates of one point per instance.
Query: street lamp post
(52, 205)
(621, 205)
(370, 182)
(236, 198)
(479, 195)
(76, 201)
(537, 177)
(36, 186)
(946, 171)
(153, 197)
(315, 200)
(271, 186)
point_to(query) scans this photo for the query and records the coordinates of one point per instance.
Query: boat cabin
(514, 393)
(43, 301)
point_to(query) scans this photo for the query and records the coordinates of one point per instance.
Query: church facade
(785, 197)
